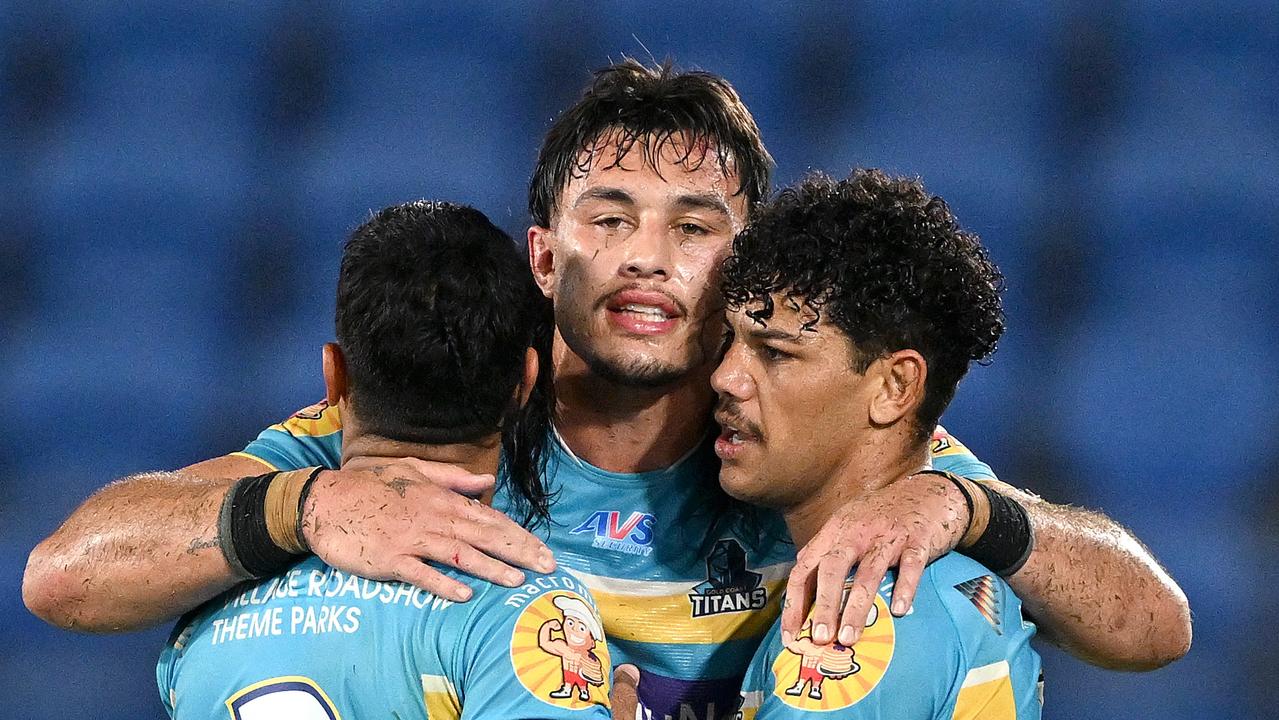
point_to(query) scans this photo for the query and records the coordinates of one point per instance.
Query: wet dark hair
(436, 308)
(636, 104)
(886, 263)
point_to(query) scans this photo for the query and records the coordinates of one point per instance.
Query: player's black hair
(436, 308)
(886, 263)
(649, 106)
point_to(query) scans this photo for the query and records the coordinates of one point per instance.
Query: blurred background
(176, 180)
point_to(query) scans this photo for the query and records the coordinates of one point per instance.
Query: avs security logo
(634, 536)
(729, 586)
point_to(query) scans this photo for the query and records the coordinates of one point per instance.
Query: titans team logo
(633, 535)
(832, 677)
(729, 586)
(558, 651)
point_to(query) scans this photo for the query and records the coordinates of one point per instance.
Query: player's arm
(137, 552)
(1095, 590)
(146, 548)
(1093, 587)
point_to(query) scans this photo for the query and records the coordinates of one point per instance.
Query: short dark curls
(886, 263)
(436, 309)
(650, 106)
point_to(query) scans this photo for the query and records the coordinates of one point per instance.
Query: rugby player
(854, 308)
(438, 325)
(638, 191)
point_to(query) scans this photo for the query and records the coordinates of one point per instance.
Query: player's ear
(541, 257)
(525, 388)
(902, 388)
(334, 374)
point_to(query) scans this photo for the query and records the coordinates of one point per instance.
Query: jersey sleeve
(949, 454)
(537, 651)
(1000, 675)
(309, 438)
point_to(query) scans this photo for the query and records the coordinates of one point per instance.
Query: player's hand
(384, 520)
(907, 524)
(625, 695)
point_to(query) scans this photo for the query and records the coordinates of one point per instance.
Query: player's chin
(742, 482)
(639, 364)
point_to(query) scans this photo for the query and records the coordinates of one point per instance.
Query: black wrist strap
(306, 493)
(242, 530)
(1009, 539)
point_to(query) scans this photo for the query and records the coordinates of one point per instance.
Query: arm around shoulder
(1097, 591)
(138, 552)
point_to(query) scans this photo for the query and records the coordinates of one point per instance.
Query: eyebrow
(609, 194)
(683, 202)
(767, 333)
(704, 202)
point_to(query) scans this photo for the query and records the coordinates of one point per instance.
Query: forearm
(138, 552)
(1097, 592)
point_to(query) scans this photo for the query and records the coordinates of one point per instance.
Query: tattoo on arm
(201, 544)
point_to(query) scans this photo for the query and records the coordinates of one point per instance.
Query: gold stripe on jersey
(987, 693)
(441, 698)
(254, 457)
(669, 618)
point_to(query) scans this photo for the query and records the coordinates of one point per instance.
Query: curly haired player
(855, 307)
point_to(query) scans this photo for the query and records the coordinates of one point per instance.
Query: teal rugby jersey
(684, 595)
(315, 643)
(962, 652)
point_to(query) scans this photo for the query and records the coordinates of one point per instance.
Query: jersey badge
(558, 651)
(984, 595)
(821, 678)
(730, 587)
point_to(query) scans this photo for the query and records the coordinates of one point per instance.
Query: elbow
(1166, 640)
(54, 593)
(1175, 634)
(45, 591)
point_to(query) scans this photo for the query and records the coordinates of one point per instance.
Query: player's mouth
(735, 436)
(643, 312)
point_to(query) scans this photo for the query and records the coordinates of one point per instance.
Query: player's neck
(625, 429)
(871, 465)
(480, 457)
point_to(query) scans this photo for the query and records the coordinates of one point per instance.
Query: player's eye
(692, 229)
(611, 222)
(772, 354)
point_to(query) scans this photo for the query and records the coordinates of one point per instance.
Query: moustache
(728, 413)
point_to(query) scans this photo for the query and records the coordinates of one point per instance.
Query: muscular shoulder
(999, 671)
(951, 455)
(977, 601)
(308, 438)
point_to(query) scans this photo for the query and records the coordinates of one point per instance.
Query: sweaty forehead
(660, 168)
